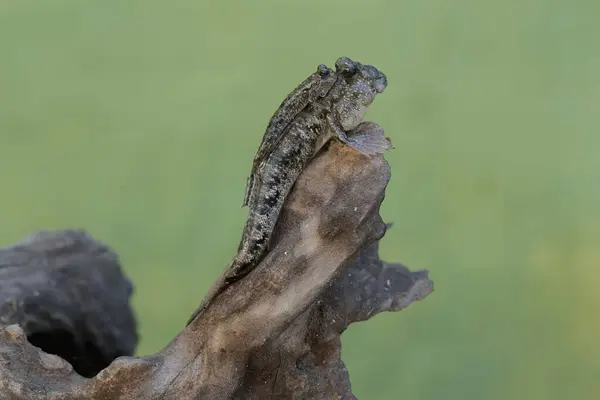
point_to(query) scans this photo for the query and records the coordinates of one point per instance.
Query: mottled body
(334, 109)
(274, 179)
(316, 86)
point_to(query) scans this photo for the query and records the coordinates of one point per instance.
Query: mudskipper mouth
(381, 83)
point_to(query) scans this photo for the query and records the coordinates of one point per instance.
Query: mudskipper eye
(345, 66)
(323, 70)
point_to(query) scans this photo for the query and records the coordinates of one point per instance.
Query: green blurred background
(138, 120)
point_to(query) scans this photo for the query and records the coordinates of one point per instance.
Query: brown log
(274, 334)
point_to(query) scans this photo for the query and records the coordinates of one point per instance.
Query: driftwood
(274, 334)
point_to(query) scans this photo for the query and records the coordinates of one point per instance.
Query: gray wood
(68, 293)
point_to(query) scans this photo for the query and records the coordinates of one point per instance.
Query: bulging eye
(323, 70)
(345, 66)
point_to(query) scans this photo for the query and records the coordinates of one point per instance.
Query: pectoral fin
(368, 138)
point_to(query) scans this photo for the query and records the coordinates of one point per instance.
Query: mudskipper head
(358, 86)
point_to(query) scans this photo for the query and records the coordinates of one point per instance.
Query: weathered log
(275, 333)
(67, 292)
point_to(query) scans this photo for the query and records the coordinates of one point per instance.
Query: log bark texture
(274, 334)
